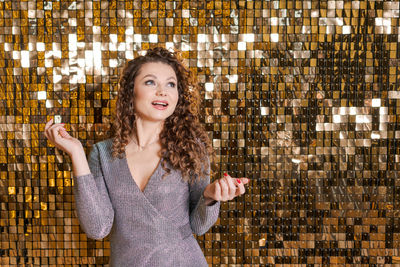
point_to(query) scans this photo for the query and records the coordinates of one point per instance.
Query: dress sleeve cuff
(210, 205)
(204, 216)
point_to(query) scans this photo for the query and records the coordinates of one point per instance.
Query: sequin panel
(299, 96)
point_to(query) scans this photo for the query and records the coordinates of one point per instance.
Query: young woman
(149, 185)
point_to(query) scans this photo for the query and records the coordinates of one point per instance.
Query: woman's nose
(160, 91)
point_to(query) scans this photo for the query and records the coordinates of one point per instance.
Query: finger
(45, 134)
(63, 133)
(224, 189)
(50, 130)
(46, 128)
(231, 185)
(48, 124)
(55, 131)
(59, 133)
(240, 187)
(218, 190)
(244, 180)
(55, 125)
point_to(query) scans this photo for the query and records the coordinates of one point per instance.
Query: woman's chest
(166, 196)
(142, 166)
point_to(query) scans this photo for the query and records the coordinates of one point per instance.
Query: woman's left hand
(224, 189)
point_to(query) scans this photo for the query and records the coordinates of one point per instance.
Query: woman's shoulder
(104, 146)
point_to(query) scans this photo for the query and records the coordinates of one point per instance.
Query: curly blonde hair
(184, 142)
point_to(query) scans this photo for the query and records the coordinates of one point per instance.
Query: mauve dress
(150, 228)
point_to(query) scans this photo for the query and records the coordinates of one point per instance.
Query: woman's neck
(148, 132)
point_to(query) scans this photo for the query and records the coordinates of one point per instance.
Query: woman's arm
(92, 201)
(93, 205)
(80, 164)
(203, 212)
(205, 200)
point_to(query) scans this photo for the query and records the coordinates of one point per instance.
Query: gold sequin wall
(300, 96)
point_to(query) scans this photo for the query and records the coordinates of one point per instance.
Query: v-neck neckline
(130, 176)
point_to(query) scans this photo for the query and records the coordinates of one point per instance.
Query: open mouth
(159, 103)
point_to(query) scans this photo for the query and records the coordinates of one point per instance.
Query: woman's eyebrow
(149, 75)
(172, 77)
(153, 76)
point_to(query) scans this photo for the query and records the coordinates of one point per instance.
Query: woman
(149, 186)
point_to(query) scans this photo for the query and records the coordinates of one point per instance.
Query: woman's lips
(159, 107)
(160, 104)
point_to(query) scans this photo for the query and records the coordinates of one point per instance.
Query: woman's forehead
(158, 69)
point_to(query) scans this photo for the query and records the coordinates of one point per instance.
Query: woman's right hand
(61, 139)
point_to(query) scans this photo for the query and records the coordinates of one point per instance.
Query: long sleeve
(202, 217)
(92, 202)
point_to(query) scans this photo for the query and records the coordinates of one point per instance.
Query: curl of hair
(184, 142)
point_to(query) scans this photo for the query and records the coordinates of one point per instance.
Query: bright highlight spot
(169, 45)
(346, 29)
(233, 78)
(296, 161)
(137, 38)
(376, 102)
(274, 37)
(363, 119)
(336, 119)
(209, 87)
(201, 38)
(153, 38)
(72, 41)
(375, 135)
(264, 111)
(40, 46)
(241, 45)
(249, 37)
(42, 95)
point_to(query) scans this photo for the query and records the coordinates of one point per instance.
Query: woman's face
(156, 91)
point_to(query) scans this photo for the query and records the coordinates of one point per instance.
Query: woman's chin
(155, 119)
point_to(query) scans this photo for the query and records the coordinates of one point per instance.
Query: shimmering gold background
(300, 96)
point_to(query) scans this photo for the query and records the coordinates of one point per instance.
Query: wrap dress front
(150, 228)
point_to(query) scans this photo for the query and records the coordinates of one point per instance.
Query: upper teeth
(160, 103)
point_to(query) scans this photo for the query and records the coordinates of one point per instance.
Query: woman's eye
(171, 84)
(149, 82)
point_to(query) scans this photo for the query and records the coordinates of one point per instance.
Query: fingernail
(238, 181)
(225, 174)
